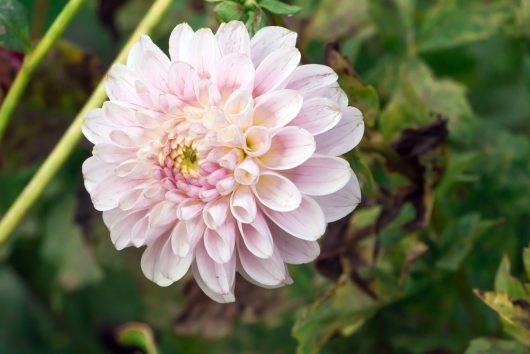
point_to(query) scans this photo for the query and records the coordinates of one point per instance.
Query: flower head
(222, 157)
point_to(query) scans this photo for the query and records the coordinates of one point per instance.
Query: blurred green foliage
(445, 163)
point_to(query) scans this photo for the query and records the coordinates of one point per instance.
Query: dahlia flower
(222, 157)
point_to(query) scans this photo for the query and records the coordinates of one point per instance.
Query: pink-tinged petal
(95, 127)
(310, 77)
(183, 81)
(221, 298)
(339, 204)
(277, 192)
(214, 213)
(189, 209)
(226, 185)
(238, 108)
(344, 136)
(219, 278)
(332, 92)
(306, 222)
(318, 115)
(106, 195)
(269, 273)
(275, 69)
(247, 173)
(269, 39)
(257, 141)
(121, 85)
(186, 234)
(129, 137)
(220, 243)
(243, 204)
(320, 175)
(161, 265)
(292, 249)
(94, 171)
(134, 169)
(257, 237)
(121, 114)
(180, 42)
(277, 108)
(233, 38)
(205, 52)
(149, 62)
(111, 153)
(290, 147)
(120, 224)
(162, 213)
(234, 71)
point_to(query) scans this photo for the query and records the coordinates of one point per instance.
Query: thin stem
(33, 60)
(70, 139)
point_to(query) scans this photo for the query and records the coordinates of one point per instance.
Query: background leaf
(14, 26)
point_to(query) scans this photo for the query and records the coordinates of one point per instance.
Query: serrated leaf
(449, 25)
(14, 26)
(137, 335)
(279, 8)
(228, 11)
(495, 346)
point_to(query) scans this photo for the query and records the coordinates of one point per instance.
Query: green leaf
(343, 309)
(14, 27)
(279, 8)
(64, 249)
(506, 283)
(228, 11)
(515, 313)
(495, 346)
(526, 261)
(449, 24)
(137, 335)
(256, 19)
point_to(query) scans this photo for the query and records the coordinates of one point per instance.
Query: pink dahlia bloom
(222, 157)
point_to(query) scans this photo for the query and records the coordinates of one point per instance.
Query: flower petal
(233, 38)
(275, 69)
(218, 278)
(277, 192)
(277, 108)
(269, 39)
(292, 249)
(243, 204)
(344, 136)
(180, 43)
(270, 272)
(318, 115)
(214, 213)
(306, 222)
(290, 147)
(183, 81)
(234, 71)
(257, 141)
(205, 52)
(310, 77)
(257, 236)
(320, 175)
(339, 204)
(220, 243)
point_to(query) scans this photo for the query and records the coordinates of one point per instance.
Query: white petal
(268, 273)
(339, 204)
(277, 108)
(318, 115)
(290, 147)
(205, 52)
(292, 249)
(243, 205)
(257, 236)
(233, 38)
(183, 81)
(275, 69)
(269, 39)
(218, 278)
(320, 175)
(277, 192)
(180, 43)
(306, 222)
(234, 71)
(344, 136)
(310, 77)
(220, 243)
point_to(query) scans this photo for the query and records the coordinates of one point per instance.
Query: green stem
(33, 60)
(70, 139)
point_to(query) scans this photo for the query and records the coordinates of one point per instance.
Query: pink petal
(270, 272)
(205, 52)
(320, 175)
(121, 85)
(162, 213)
(339, 204)
(269, 39)
(239, 107)
(292, 249)
(243, 205)
(219, 278)
(310, 77)
(185, 235)
(220, 243)
(111, 153)
(94, 171)
(247, 173)
(96, 128)
(180, 43)
(234, 71)
(233, 38)
(183, 81)
(290, 147)
(149, 62)
(189, 209)
(214, 213)
(257, 237)
(161, 265)
(277, 108)
(332, 92)
(275, 69)
(120, 224)
(318, 115)
(306, 222)
(257, 141)
(344, 136)
(277, 192)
